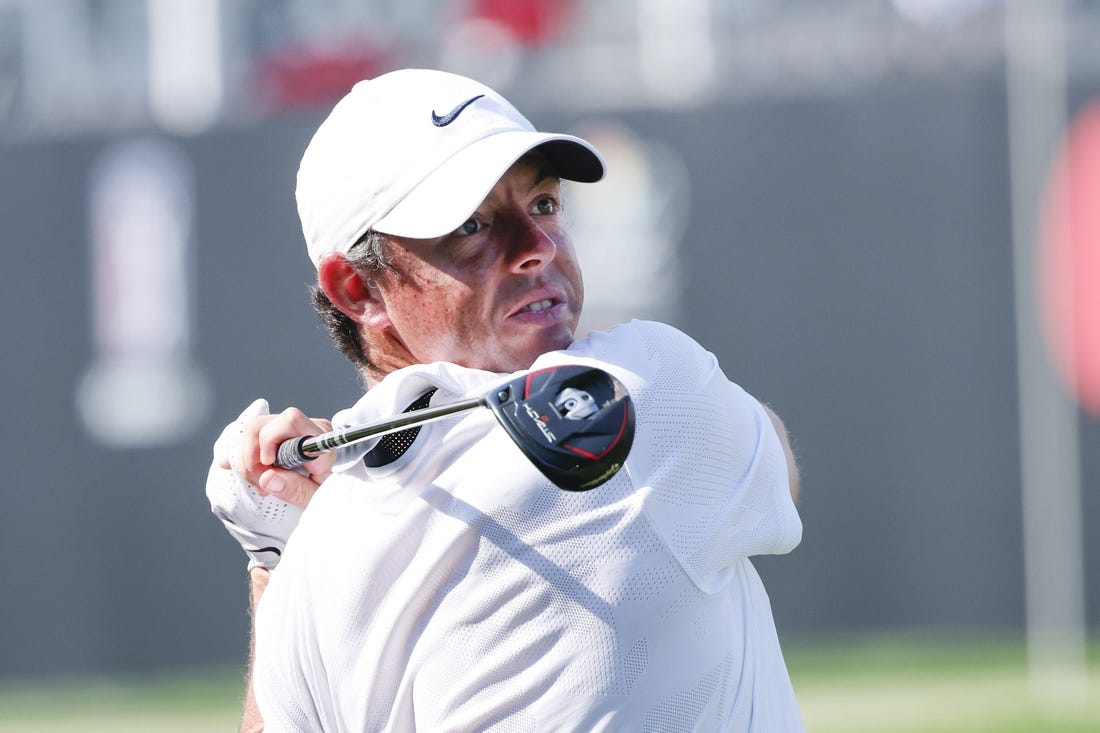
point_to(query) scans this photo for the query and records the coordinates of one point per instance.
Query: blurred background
(882, 216)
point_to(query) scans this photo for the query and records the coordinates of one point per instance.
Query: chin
(528, 356)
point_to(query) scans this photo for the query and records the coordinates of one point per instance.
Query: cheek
(571, 267)
(435, 315)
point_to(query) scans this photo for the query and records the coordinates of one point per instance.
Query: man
(437, 580)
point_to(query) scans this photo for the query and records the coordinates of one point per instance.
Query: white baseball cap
(413, 153)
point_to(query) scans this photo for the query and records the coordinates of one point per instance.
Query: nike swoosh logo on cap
(451, 116)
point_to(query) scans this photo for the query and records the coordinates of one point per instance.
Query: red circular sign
(1069, 258)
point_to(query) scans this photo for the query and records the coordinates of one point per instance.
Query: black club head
(575, 423)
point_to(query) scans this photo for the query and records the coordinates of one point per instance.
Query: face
(497, 292)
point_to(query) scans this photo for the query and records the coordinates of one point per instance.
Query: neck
(385, 354)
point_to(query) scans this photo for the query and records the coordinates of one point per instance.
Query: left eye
(468, 228)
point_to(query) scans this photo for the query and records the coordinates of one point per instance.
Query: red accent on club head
(530, 376)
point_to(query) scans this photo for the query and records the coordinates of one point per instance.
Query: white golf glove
(261, 524)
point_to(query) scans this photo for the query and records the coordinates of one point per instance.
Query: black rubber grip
(290, 455)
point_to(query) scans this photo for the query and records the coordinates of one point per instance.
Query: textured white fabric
(458, 590)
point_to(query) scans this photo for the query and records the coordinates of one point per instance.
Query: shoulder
(652, 350)
(653, 335)
(400, 388)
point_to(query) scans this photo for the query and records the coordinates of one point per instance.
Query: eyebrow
(544, 171)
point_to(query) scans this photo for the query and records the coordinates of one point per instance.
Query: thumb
(289, 486)
(226, 444)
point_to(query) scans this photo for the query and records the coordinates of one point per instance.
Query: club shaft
(296, 451)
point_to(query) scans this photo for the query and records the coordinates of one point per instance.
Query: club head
(575, 423)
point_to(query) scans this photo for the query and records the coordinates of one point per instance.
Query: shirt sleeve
(288, 676)
(706, 457)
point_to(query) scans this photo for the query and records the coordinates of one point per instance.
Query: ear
(351, 291)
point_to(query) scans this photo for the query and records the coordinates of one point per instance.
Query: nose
(529, 248)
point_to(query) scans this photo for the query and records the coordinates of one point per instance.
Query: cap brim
(454, 190)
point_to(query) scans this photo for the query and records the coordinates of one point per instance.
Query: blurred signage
(143, 387)
(628, 228)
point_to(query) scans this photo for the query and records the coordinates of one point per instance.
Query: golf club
(574, 423)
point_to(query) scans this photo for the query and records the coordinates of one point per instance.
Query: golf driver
(574, 423)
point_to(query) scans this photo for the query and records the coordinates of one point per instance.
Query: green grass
(886, 684)
(194, 702)
(944, 685)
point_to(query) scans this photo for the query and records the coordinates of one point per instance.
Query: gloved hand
(261, 524)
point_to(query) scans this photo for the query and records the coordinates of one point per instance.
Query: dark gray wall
(847, 258)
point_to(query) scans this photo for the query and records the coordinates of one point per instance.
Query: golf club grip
(290, 455)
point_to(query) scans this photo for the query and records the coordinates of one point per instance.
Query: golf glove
(261, 524)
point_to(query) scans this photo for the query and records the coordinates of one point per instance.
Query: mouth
(541, 306)
(538, 306)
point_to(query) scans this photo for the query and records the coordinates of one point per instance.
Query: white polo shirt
(457, 589)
